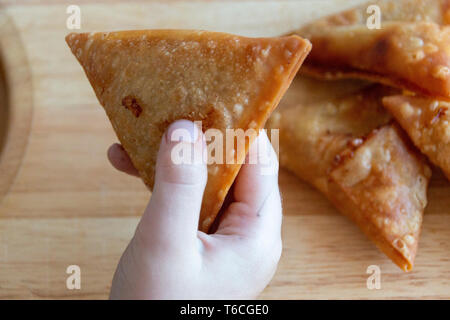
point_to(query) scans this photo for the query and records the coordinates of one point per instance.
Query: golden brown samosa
(351, 151)
(437, 11)
(147, 79)
(411, 56)
(427, 122)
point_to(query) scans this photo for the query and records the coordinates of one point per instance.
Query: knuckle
(189, 168)
(184, 174)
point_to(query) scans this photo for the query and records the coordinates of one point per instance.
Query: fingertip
(183, 130)
(181, 156)
(262, 155)
(120, 160)
(259, 175)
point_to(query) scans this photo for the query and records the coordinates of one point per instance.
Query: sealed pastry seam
(410, 50)
(427, 122)
(349, 149)
(382, 187)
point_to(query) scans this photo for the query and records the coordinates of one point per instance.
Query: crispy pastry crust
(374, 176)
(427, 123)
(147, 79)
(311, 135)
(437, 11)
(381, 185)
(411, 56)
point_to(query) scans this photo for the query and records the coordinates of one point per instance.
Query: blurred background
(62, 204)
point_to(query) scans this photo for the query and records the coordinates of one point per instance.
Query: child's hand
(169, 259)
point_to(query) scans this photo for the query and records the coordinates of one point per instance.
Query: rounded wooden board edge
(15, 71)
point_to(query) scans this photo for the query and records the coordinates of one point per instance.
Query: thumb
(173, 212)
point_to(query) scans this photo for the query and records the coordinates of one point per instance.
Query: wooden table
(68, 206)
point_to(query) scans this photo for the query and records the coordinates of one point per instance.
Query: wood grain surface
(68, 206)
(15, 89)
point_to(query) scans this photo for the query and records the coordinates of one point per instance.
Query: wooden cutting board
(67, 206)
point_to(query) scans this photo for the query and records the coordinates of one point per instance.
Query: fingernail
(182, 130)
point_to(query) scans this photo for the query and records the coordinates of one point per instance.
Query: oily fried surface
(311, 135)
(427, 123)
(382, 185)
(437, 11)
(411, 56)
(147, 79)
(349, 149)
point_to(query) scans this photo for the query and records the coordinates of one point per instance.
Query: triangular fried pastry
(437, 11)
(311, 135)
(427, 123)
(381, 185)
(411, 56)
(145, 80)
(349, 149)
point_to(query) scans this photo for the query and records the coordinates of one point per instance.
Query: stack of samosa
(366, 150)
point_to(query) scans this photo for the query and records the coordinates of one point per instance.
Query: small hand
(168, 258)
